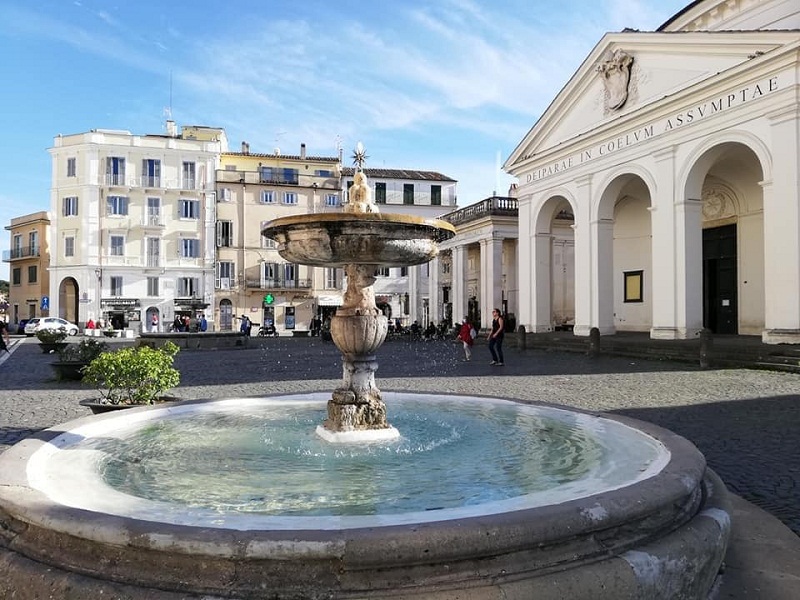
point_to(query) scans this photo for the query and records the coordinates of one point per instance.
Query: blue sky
(441, 85)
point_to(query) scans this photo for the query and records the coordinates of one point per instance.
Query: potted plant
(74, 358)
(51, 340)
(131, 376)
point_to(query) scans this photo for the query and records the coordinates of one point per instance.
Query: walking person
(5, 338)
(496, 338)
(467, 335)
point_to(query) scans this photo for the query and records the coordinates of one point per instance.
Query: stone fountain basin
(660, 537)
(338, 239)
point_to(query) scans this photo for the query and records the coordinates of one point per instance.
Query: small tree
(133, 375)
(51, 336)
(85, 351)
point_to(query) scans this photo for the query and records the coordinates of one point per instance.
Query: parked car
(30, 326)
(56, 323)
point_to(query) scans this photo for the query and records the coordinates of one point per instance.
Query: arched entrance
(225, 315)
(731, 281)
(68, 300)
(153, 320)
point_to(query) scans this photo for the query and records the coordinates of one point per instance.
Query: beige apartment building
(133, 230)
(28, 258)
(251, 279)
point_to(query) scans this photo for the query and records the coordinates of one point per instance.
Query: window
(71, 167)
(152, 287)
(270, 274)
(116, 285)
(69, 206)
(331, 278)
(151, 172)
(189, 209)
(279, 175)
(116, 206)
(380, 192)
(16, 276)
(115, 170)
(323, 173)
(32, 274)
(267, 196)
(153, 212)
(69, 246)
(331, 200)
(289, 198)
(634, 286)
(224, 234)
(225, 275)
(17, 242)
(190, 248)
(225, 195)
(445, 268)
(436, 195)
(290, 274)
(382, 272)
(403, 271)
(265, 241)
(153, 252)
(188, 286)
(188, 175)
(117, 245)
(33, 242)
(408, 193)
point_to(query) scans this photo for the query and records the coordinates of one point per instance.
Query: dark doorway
(720, 300)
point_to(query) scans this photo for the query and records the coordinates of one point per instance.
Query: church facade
(677, 153)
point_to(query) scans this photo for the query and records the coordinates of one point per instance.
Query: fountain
(527, 500)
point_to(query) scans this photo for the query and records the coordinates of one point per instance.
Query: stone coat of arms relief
(616, 75)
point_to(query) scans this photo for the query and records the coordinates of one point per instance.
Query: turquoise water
(264, 458)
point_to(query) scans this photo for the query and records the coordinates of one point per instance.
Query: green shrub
(133, 375)
(85, 351)
(51, 336)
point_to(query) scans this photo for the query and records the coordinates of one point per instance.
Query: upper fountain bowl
(338, 239)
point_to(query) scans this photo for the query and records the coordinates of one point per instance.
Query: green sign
(269, 299)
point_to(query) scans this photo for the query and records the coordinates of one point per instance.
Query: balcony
(153, 221)
(496, 206)
(24, 252)
(279, 284)
(115, 179)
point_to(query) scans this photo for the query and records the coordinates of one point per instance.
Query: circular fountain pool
(238, 498)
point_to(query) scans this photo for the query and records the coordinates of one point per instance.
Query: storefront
(121, 313)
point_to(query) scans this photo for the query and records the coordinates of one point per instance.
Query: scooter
(267, 330)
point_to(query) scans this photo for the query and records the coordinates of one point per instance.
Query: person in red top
(467, 335)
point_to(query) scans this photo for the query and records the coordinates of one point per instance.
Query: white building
(133, 220)
(678, 153)
(406, 293)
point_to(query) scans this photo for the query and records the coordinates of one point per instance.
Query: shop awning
(329, 300)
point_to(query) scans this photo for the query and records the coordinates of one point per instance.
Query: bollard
(706, 348)
(594, 342)
(522, 342)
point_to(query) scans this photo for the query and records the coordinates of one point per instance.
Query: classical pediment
(629, 71)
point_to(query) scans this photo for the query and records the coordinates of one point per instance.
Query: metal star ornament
(359, 156)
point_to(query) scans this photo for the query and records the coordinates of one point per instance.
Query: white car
(55, 323)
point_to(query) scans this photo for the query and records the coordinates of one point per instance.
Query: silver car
(54, 323)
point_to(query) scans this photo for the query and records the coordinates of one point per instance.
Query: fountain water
(654, 526)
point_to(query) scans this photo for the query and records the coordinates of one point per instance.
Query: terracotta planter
(72, 370)
(98, 407)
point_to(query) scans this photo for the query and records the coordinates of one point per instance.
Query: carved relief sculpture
(616, 75)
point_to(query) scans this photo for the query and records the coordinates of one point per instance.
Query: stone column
(434, 293)
(782, 232)
(490, 279)
(584, 258)
(459, 273)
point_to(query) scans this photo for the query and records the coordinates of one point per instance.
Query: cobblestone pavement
(746, 422)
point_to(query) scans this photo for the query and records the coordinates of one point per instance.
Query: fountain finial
(359, 195)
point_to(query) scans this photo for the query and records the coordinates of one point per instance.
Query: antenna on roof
(170, 124)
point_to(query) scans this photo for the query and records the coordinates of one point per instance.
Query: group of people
(467, 335)
(183, 323)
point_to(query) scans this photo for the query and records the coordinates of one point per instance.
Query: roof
(399, 174)
(283, 156)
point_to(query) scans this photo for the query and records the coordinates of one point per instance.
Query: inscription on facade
(685, 117)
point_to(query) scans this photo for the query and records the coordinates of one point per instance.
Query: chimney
(302, 151)
(172, 130)
(245, 148)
